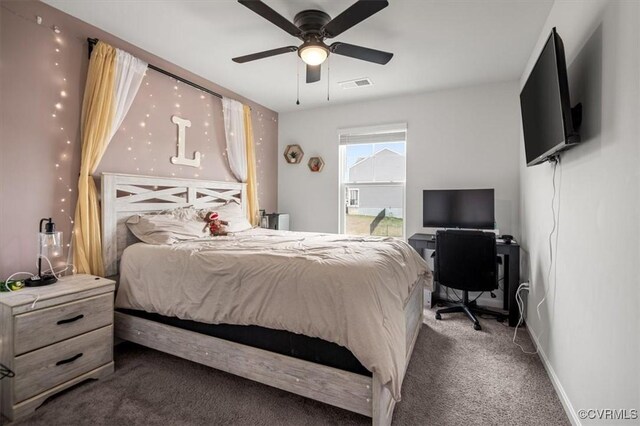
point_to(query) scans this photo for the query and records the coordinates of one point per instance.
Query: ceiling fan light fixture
(313, 53)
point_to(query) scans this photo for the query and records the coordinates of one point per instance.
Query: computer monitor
(458, 208)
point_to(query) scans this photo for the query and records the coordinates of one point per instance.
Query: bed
(328, 317)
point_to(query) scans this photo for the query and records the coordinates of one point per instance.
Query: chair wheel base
(438, 316)
(477, 327)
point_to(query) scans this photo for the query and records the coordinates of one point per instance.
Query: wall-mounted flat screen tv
(458, 208)
(547, 117)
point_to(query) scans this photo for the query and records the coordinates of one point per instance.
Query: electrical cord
(552, 266)
(520, 302)
(6, 282)
(6, 372)
(57, 274)
(8, 287)
(553, 230)
(477, 297)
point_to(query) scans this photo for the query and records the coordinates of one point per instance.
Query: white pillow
(232, 213)
(168, 227)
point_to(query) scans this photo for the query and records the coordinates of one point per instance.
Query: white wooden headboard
(124, 195)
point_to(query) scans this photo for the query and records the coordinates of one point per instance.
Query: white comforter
(343, 289)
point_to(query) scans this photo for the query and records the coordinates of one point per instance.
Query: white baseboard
(562, 395)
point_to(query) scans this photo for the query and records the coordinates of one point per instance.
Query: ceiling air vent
(358, 82)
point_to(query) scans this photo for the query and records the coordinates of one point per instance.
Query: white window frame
(357, 197)
(343, 202)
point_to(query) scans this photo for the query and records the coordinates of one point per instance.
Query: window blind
(373, 134)
(346, 139)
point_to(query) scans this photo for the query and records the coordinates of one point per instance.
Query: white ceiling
(437, 44)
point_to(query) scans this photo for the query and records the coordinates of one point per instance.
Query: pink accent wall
(42, 77)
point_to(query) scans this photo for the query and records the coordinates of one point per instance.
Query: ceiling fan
(313, 27)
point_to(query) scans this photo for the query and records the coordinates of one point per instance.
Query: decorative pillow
(168, 227)
(231, 213)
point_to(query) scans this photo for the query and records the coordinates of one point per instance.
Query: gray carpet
(457, 376)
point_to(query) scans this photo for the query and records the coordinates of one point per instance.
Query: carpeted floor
(457, 376)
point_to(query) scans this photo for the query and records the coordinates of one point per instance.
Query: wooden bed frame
(124, 195)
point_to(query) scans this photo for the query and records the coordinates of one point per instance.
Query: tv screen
(458, 208)
(546, 110)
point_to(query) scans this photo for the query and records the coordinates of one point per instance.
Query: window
(353, 196)
(372, 180)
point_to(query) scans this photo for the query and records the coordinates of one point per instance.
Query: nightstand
(277, 221)
(64, 339)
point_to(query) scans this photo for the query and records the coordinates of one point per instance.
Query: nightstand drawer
(45, 368)
(40, 328)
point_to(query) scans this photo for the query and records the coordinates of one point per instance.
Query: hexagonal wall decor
(316, 164)
(293, 154)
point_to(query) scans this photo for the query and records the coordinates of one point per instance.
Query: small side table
(62, 339)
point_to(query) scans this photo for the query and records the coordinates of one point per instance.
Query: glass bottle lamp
(49, 245)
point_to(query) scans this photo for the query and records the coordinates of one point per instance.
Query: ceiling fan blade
(271, 15)
(356, 13)
(265, 54)
(359, 52)
(313, 73)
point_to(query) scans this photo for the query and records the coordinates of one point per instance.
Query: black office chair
(467, 261)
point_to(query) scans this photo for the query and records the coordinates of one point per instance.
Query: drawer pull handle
(66, 321)
(68, 360)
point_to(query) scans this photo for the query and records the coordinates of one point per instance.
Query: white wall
(463, 138)
(589, 327)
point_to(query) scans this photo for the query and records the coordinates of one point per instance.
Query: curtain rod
(94, 41)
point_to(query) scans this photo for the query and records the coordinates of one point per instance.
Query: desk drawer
(45, 368)
(40, 328)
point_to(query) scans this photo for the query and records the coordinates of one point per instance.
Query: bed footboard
(350, 391)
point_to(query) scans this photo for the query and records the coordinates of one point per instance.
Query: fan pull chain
(297, 82)
(328, 76)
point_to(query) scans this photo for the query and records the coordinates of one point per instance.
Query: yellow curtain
(98, 109)
(252, 188)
